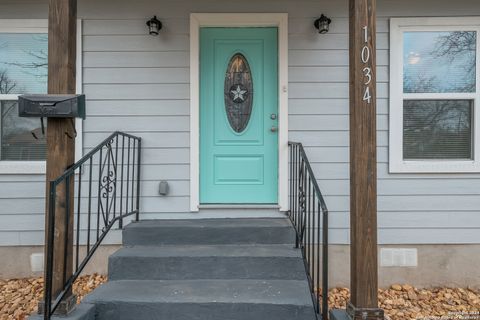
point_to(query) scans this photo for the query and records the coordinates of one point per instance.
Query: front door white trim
(198, 20)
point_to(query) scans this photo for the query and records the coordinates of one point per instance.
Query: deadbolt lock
(273, 116)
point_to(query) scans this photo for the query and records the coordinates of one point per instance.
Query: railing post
(139, 158)
(127, 196)
(79, 202)
(290, 176)
(67, 248)
(99, 191)
(296, 197)
(120, 221)
(325, 265)
(48, 273)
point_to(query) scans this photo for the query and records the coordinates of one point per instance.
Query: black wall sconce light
(322, 24)
(154, 26)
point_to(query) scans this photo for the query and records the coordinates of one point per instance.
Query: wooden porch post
(363, 163)
(62, 33)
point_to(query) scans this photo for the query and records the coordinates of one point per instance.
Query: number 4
(367, 96)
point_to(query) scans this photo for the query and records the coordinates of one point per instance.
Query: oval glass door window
(238, 92)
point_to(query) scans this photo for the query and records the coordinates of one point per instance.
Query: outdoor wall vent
(398, 257)
(164, 188)
(36, 262)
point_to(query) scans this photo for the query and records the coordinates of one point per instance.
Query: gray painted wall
(140, 84)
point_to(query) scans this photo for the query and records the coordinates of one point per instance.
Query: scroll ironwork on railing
(309, 215)
(97, 193)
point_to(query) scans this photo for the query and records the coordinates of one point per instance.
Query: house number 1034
(367, 71)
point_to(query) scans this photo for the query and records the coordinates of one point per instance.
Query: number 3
(368, 74)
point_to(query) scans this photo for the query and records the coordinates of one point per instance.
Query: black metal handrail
(309, 215)
(99, 191)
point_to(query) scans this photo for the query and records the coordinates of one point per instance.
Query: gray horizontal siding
(138, 124)
(386, 220)
(136, 76)
(29, 238)
(135, 59)
(147, 91)
(152, 140)
(328, 74)
(138, 108)
(140, 84)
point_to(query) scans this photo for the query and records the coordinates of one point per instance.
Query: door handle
(274, 129)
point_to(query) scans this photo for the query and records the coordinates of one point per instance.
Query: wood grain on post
(363, 162)
(62, 35)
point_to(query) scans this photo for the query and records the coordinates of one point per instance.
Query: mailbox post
(62, 56)
(61, 108)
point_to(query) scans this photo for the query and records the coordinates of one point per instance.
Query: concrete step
(209, 231)
(173, 262)
(203, 299)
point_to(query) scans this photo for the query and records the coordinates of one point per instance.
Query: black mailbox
(52, 105)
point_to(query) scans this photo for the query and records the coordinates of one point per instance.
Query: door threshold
(239, 206)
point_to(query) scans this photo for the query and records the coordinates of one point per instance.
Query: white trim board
(198, 20)
(41, 26)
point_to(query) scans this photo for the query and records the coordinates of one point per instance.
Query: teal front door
(238, 116)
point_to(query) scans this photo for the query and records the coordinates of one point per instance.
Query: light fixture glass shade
(324, 26)
(153, 29)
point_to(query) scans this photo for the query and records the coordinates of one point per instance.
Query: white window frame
(41, 26)
(396, 162)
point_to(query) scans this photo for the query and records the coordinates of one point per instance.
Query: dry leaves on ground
(19, 297)
(404, 302)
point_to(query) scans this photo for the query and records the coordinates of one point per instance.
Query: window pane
(238, 92)
(436, 62)
(23, 63)
(437, 129)
(21, 138)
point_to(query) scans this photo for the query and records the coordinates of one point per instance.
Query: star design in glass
(238, 94)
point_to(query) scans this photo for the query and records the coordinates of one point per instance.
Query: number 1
(365, 31)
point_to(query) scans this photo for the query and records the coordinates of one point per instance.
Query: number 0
(365, 54)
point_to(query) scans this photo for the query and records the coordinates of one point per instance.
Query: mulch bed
(19, 298)
(404, 302)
